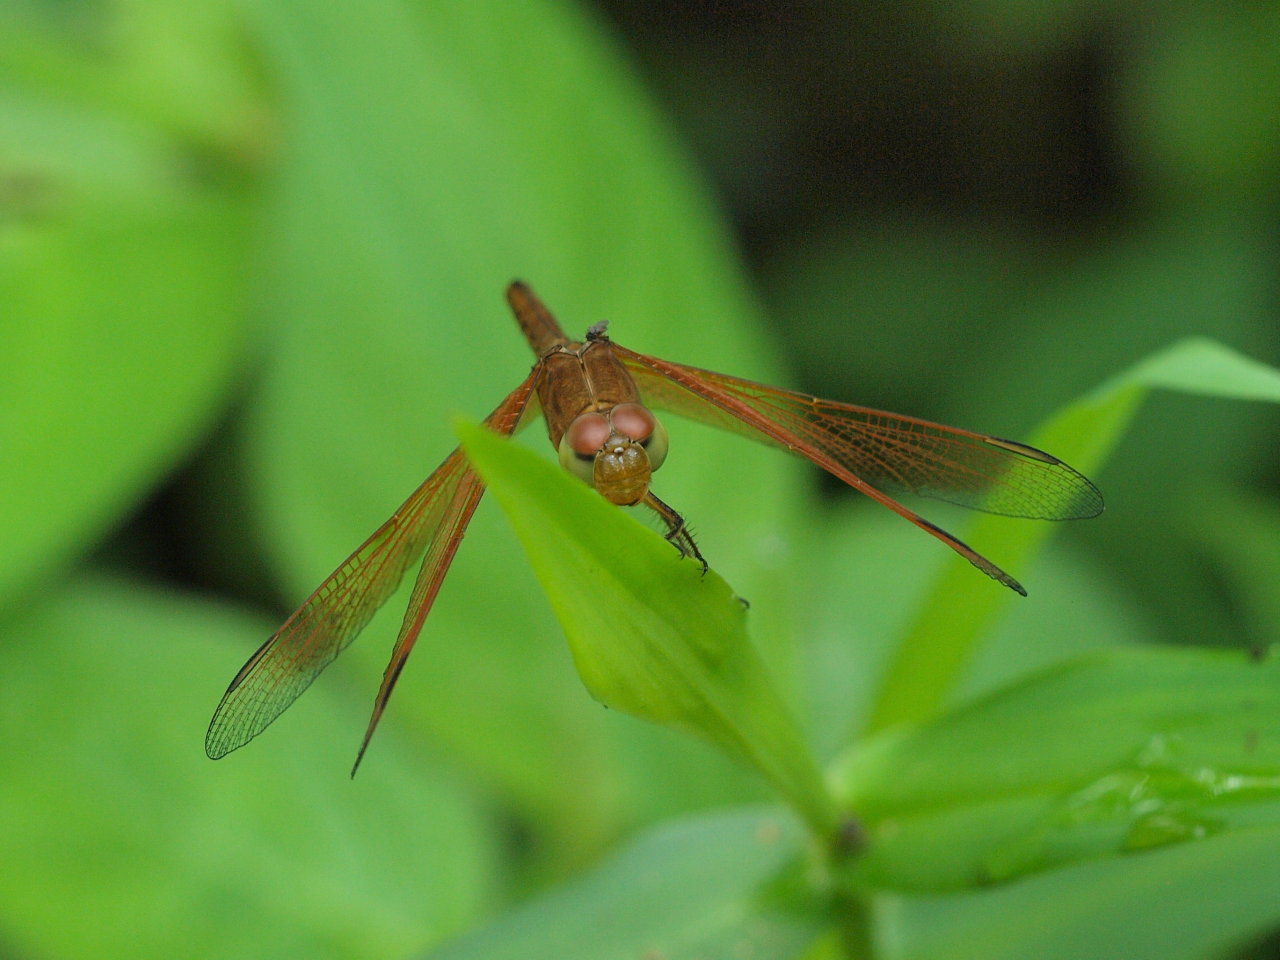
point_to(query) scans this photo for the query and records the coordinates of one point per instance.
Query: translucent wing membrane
(433, 519)
(884, 449)
(874, 451)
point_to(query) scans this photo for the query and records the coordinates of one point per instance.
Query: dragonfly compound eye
(585, 438)
(638, 423)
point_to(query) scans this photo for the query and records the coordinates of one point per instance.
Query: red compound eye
(587, 434)
(634, 421)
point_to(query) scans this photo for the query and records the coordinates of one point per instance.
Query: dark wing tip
(1083, 499)
(216, 747)
(1023, 450)
(1080, 499)
(1090, 502)
(223, 735)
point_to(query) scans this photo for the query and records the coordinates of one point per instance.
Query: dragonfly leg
(677, 534)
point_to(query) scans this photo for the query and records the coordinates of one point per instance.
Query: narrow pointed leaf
(933, 653)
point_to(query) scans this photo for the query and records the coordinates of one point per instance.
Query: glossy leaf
(1114, 754)
(1184, 902)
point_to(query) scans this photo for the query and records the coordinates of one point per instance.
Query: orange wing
(433, 519)
(870, 449)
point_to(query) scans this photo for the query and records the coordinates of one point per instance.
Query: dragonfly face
(592, 394)
(615, 451)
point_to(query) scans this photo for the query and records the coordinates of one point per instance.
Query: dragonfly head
(615, 451)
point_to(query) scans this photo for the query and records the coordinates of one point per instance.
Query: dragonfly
(595, 396)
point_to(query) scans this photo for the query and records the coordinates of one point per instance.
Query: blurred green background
(252, 255)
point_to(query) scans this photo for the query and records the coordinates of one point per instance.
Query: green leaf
(1203, 366)
(939, 644)
(651, 634)
(122, 839)
(719, 885)
(1186, 902)
(1116, 753)
(123, 281)
(1077, 608)
(120, 327)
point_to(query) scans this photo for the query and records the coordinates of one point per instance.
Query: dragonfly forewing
(886, 450)
(871, 450)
